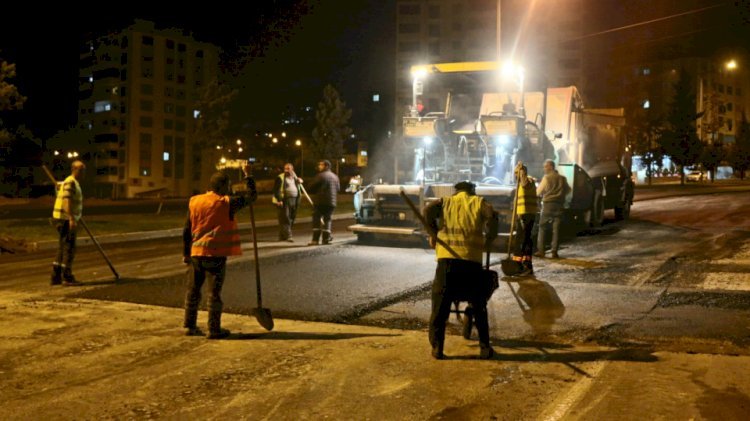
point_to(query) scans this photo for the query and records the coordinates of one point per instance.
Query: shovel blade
(263, 315)
(511, 267)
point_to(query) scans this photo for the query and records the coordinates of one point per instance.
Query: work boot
(554, 255)
(315, 238)
(539, 254)
(528, 269)
(68, 279)
(486, 352)
(220, 334)
(437, 352)
(214, 326)
(468, 322)
(56, 278)
(193, 331)
(327, 238)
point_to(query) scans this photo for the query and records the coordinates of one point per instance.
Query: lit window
(196, 113)
(102, 106)
(363, 153)
(165, 157)
(646, 104)
(91, 79)
(376, 98)
(646, 71)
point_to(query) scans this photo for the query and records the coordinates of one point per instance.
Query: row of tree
(675, 135)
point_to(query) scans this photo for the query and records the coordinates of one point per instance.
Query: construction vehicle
(503, 128)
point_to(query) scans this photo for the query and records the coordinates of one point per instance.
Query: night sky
(306, 45)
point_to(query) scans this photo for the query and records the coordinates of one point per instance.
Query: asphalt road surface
(676, 275)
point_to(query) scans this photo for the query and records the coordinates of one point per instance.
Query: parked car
(695, 176)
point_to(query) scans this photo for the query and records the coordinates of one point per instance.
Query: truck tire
(622, 212)
(597, 209)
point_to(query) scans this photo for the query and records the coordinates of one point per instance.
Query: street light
(298, 142)
(275, 140)
(239, 141)
(510, 70)
(731, 64)
(283, 134)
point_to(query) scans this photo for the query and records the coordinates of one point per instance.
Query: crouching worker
(209, 236)
(467, 225)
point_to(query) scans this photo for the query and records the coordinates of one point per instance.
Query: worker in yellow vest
(526, 211)
(210, 235)
(468, 225)
(65, 216)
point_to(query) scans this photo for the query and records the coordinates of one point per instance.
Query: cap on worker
(466, 186)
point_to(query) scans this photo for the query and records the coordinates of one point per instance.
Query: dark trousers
(215, 268)
(66, 249)
(322, 213)
(287, 214)
(457, 280)
(551, 214)
(524, 244)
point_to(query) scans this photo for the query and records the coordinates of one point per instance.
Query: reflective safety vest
(462, 227)
(528, 202)
(71, 190)
(282, 193)
(214, 234)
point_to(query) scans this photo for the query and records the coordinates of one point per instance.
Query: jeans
(215, 267)
(287, 214)
(66, 250)
(322, 213)
(551, 213)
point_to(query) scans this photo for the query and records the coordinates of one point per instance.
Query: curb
(153, 235)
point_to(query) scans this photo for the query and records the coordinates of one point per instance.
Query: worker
(66, 213)
(287, 190)
(209, 236)
(553, 189)
(326, 187)
(468, 226)
(526, 209)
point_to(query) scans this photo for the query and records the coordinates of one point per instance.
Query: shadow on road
(304, 336)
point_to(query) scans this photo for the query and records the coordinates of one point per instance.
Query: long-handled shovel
(85, 227)
(263, 315)
(306, 195)
(509, 266)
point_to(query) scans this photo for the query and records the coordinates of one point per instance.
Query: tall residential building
(137, 94)
(543, 36)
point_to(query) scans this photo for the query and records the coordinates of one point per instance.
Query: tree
(212, 121)
(332, 125)
(711, 158)
(643, 133)
(679, 140)
(738, 155)
(10, 98)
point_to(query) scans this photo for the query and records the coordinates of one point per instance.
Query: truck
(480, 136)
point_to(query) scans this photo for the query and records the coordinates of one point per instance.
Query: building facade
(137, 96)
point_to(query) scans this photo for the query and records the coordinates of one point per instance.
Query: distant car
(695, 176)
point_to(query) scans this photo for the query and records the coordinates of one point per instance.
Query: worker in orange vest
(209, 236)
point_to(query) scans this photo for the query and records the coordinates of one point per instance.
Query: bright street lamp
(512, 70)
(298, 142)
(239, 141)
(731, 64)
(275, 140)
